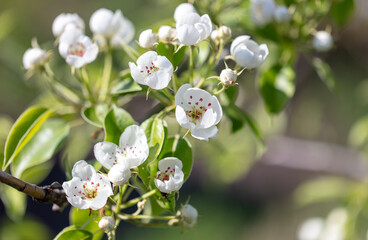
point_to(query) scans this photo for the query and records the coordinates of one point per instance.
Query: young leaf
(41, 147)
(116, 120)
(23, 130)
(15, 202)
(277, 86)
(72, 232)
(126, 86)
(95, 115)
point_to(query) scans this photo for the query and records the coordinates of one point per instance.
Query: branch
(45, 194)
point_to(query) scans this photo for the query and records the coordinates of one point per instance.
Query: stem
(83, 76)
(161, 98)
(136, 200)
(124, 216)
(121, 192)
(191, 65)
(200, 82)
(219, 91)
(131, 52)
(166, 110)
(45, 194)
(106, 75)
(174, 82)
(168, 94)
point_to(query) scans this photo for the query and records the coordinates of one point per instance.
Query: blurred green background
(315, 156)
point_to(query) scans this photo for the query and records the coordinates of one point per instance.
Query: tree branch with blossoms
(177, 68)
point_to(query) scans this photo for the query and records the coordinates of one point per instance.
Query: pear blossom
(192, 28)
(67, 21)
(106, 23)
(189, 215)
(167, 34)
(33, 58)
(311, 229)
(197, 110)
(152, 70)
(281, 14)
(247, 53)
(131, 152)
(107, 224)
(119, 174)
(183, 9)
(147, 38)
(125, 33)
(228, 77)
(322, 41)
(170, 177)
(76, 48)
(87, 189)
(261, 11)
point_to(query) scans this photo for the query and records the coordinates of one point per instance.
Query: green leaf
(36, 174)
(182, 149)
(126, 86)
(72, 232)
(15, 202)
(95, 115)
(23, 130)
(156, 131)
(168, 50)
(41, 147)
(82, 219)
(277, 86)
(324, 72)
(341, 10)
(116, 120)
(24, 229)
(269, 32)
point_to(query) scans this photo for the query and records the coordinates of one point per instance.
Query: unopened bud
(222, 33)
(119, 174)
(189, 215)
(228, 77)
(322, 41)
(167, 34)
(107, 224)
(33, 58)
(147, 39)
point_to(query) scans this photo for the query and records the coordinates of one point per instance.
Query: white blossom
(282, 14)
(322, 41)
(87, 189)
(147, 39)
(170, 177)
(119, 174)
(131, 152)
(261, 11)
(76, 48)
(228, 77)
(167, 34)
(33, 58)
(66, 21)
(189, 215)
(152, 70)
(222, 33)
(183, 9)
(105, 22)
(311, 229)
(198, 111)
(247, 53)
(107, 224)
(192, 28)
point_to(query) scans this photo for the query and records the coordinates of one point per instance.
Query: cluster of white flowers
(263, 12)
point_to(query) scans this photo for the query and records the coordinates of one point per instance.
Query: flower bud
(147, 39)
(228, 77)
(33, 58)
(189, 215)
(119, 174)
(322, 41)
(166, 34)
(222, 33)
(281, 14)
(66, 21)
(107, 224)
(183, 9)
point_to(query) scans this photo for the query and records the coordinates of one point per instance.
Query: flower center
(77, 49)
(196, 113)
(89, 191)
(165, 176)
(150, 69)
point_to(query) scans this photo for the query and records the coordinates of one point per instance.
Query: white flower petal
(66, 20)
(204, 133)
(188, 34)
(33, 57)
(75, 61)
(147, 58)
(136, 73)
(169, 162)
(183, 9)
(133, 142)
(91, 54)
(182, 118)
(238, 41)
(179, 97)
(119, 174)
(208, 119)
(83, 170)
(105, 153)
